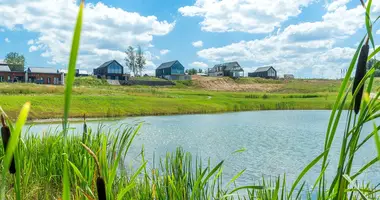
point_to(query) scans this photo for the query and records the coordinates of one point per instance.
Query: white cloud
(164, 51)
(304, 46)
(378, 32)
(30, 42)
(107, 31)
(7, 40)
(335, 4)
(250, 16)
(33, 48)
(198, 43)
(198, 64)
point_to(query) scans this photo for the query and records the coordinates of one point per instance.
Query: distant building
(172, 70)
(44, 75)
(80, 73)
(264, 72)
(231, 69)
(39, 75)
(288, 76)
(111, 70)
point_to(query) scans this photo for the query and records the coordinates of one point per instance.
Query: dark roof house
(231, 69)
(111, 70)
(264, 72)
(170, 68)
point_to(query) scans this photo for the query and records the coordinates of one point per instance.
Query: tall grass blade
(307, 168)
(68, 92)
(13, 142)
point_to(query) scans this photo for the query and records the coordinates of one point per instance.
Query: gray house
(172, 70)
(264, 72)
(111, 70)
(231, 69)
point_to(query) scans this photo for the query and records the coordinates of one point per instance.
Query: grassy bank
(115, 101)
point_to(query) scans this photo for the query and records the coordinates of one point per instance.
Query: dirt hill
(228, 84)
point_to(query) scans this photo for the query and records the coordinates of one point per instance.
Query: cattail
(101, 186)
(6, 135)
(360, 72)
(84, 138)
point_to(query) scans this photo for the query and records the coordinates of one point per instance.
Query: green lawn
(115, 101)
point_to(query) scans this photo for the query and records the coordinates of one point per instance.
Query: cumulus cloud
(198, 64)
(107, 31)
(304, 46)
(250, 16)
(30, 42)
(335, 4)
(7, 40)
(164, 51)
(198, 43)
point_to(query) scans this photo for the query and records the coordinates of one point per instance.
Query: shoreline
(94, 119)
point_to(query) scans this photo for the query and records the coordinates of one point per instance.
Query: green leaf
(235, 177)
(68, 91)
(377, 141)
(307, 168)
(125, 190)
(240, 150)
(13, 142)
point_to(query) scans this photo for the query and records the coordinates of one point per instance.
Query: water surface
(276, 142)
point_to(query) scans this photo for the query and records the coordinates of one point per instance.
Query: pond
(276, 142)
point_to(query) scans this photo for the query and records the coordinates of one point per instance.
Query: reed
(92, 165)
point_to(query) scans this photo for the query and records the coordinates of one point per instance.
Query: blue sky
(308, 38)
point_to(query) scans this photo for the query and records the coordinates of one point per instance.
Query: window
(9, 78)
(114, 68)
(1, 79)
(48, 80)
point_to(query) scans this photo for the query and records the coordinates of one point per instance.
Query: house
(288, 76)
(39, 75)
(264, 72)
(231, 69)
(44, 75)
(172, 70)
(111, 70)
(81, 73)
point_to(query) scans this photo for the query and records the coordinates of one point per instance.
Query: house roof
(167, 64)
(263, 69)
(230, 66)
(45, 70)
(108, 63)
(4, 68)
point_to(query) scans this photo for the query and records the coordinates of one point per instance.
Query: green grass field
(102, 100)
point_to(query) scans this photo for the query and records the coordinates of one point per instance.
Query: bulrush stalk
(100, 184)
(6, 135)
(360, 72)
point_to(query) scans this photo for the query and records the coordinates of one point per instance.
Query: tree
(192, 71)
(130, 60)
(16, 62)
(140, 60)
(200, 70)
(372, 63)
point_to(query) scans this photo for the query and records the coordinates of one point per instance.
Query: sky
(307, 38)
